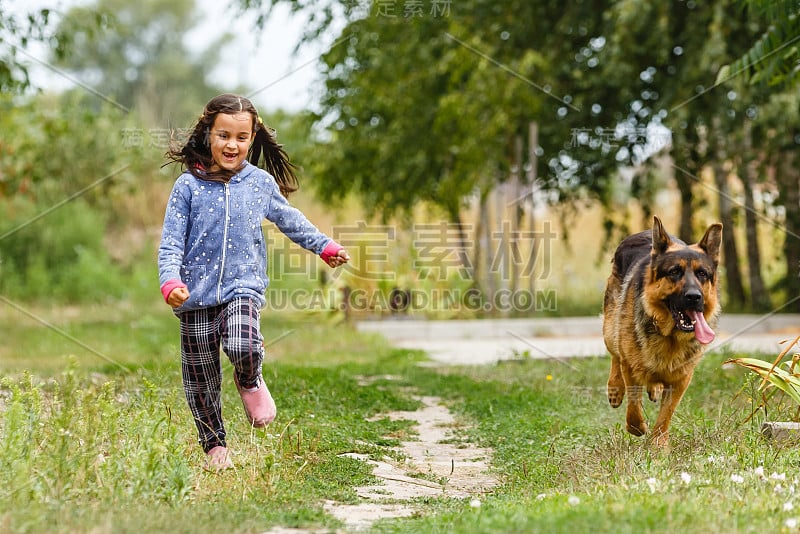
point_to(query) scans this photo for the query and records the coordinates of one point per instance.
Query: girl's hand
(178, 296)
(340, 258)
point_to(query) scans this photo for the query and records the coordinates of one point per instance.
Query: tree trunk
(759, 297)
(484, 278)
(688, 162)
(789, 185)
(533, 161)
(685, 188)
(516, 215)
(483, 244)
(500, 259)
(463, 255)
(730, 256)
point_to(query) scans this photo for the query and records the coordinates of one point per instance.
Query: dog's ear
(711, 242)
(661, 239)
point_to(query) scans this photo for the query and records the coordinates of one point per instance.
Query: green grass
(92, 446)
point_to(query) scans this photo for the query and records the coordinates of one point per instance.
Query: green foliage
(53, 146)
(17, 32)
(21, 29)
(416, 109)
(141, 62)
(63, 258)
(781, 375)
(772, 58)
(64, 170)
(427, 107)
(80, 171)
(94, 447)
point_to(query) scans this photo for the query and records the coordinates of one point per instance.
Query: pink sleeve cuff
(330, 250)
(169, 286)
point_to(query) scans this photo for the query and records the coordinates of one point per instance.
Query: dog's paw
(660, 439)
(655, 391)
(615, 395)
(637, 428)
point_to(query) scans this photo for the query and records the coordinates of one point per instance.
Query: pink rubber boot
(258, 404)
(218, 459)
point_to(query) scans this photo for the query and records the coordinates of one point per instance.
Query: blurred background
(477, 158)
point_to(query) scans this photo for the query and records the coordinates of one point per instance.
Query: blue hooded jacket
(212, 238)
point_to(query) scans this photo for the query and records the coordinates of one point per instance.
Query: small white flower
(778, 476)
(573, 500)
(759, 471)
(788, 506)
(652, 483)
(475, 503)
(790, 523)
(737, 478)
(686, 478)
(541, 497)
(778, 488)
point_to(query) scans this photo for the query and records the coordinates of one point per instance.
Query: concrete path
(476, 342)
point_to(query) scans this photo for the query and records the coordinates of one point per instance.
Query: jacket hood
(246, 170)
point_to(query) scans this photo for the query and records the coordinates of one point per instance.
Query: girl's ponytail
(276, 161)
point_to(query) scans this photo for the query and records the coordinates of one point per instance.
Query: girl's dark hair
(265, 152)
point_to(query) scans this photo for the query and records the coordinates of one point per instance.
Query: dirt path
(450, 468)
(437, 463)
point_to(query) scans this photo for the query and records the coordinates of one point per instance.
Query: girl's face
(230, 139)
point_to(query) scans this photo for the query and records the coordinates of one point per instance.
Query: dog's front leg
(634, 416)
(670, 399)
(616, 384)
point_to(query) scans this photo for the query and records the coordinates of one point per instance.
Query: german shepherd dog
(659, 311)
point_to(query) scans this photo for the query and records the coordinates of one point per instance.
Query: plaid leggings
(235, 328)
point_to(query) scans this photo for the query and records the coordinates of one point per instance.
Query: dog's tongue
(702, 332)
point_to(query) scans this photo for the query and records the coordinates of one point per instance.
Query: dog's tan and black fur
(660, 299)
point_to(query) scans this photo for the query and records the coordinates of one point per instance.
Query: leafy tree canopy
(20, 29)
(140, 59)
(774, 58)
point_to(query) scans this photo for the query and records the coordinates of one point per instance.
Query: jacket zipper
(224, 245)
